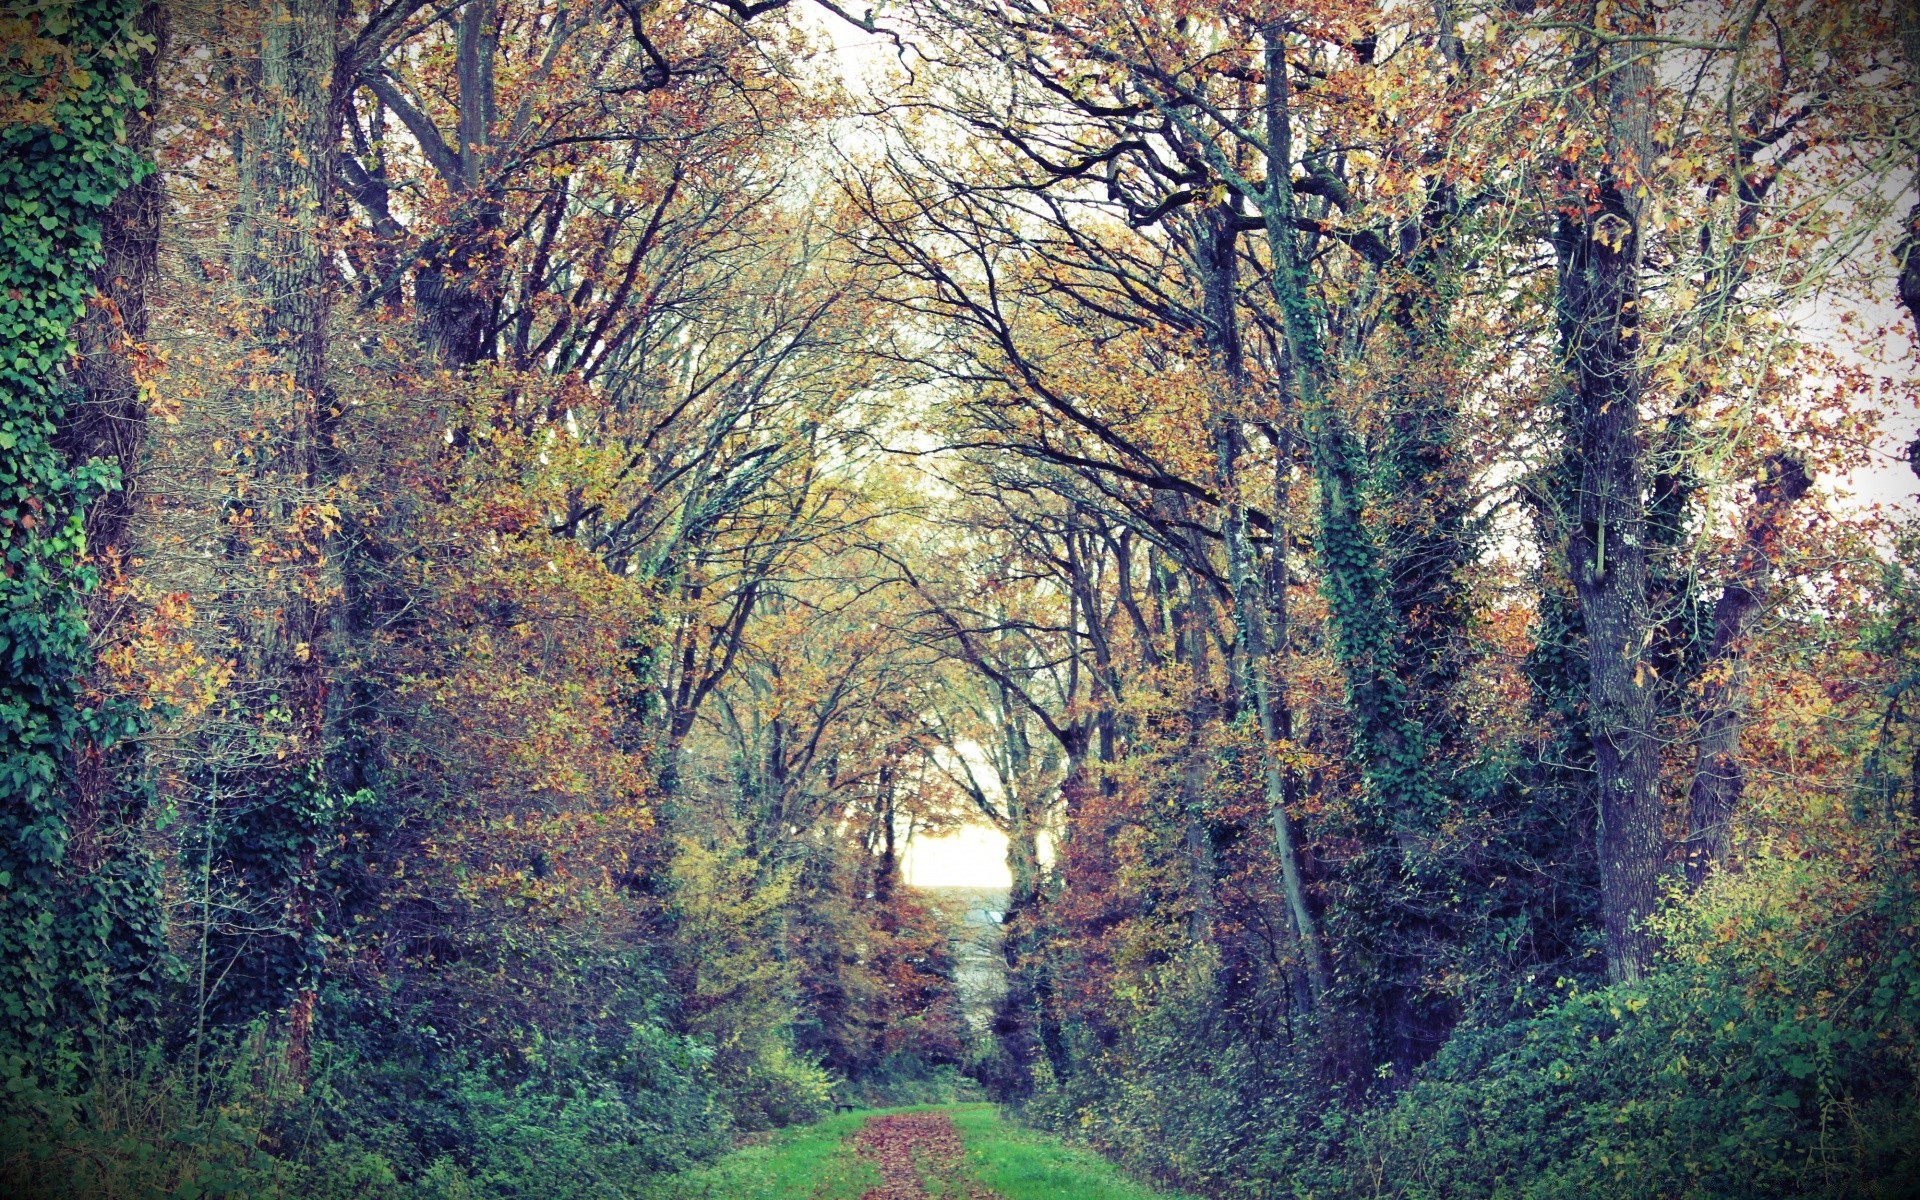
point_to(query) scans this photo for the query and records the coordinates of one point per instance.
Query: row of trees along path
(517, 512)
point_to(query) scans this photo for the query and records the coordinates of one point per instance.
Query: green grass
(813, 1162)
(1023, 1164)
(809, 1162)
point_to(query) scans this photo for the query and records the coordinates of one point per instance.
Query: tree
(272, 837)
(66, 107)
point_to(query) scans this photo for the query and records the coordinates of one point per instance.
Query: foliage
(63, 158)
(1774, 1053)
(580, 1120)
(574, 1117)
(136, 1127)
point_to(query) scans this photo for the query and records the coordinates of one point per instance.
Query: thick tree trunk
(1396, 530)
(454, 290)
(110, 423)
(1606, 546)
(285, 185)
(65, 944)
(279, 262)
(1020, 1020)
(116, 869)
(1203, 708)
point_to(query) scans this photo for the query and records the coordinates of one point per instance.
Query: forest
(521, 517)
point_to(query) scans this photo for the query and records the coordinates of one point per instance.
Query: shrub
(1772, 1053)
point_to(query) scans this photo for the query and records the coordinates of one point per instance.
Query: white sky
(1889, 481)
(861, 58)
(973, 856)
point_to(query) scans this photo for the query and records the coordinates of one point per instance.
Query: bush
(138, 1128)
(907, 1079)
(1773, 1054)
(578, 1121)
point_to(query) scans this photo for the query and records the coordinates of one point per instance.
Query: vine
(64, 156)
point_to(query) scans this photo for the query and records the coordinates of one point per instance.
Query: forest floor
(955, 1152)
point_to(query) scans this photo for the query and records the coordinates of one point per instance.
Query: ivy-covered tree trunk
(109, 420)
(1599, 297)
(279, 825)
(1556, 806)
(1395, 532)
(1023, 1022)
(1719, 777)
(115, 874)
(1250, 604)
(64, 157)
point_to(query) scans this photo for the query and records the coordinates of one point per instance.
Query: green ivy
(63, 158)
(275, 847)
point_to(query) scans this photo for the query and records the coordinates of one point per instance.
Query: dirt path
(912, 1148)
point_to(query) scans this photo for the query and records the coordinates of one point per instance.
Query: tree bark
(110, 423)
(1019, 1022)
(1599, 296)
(1250, 605)
(1908, 251)
(279, 261)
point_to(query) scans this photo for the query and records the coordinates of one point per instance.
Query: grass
(1023, 1164)
(813, 1162)
(808, 1162)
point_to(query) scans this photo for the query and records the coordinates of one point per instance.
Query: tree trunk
(109, 794)
(1017, 1020)
(55, 972)
(110, 424)
(454, 290)
(1599, 294)
(1203, 709)
(1249, 603)
(1718, 777)
(1908, 252)
(279, 262)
